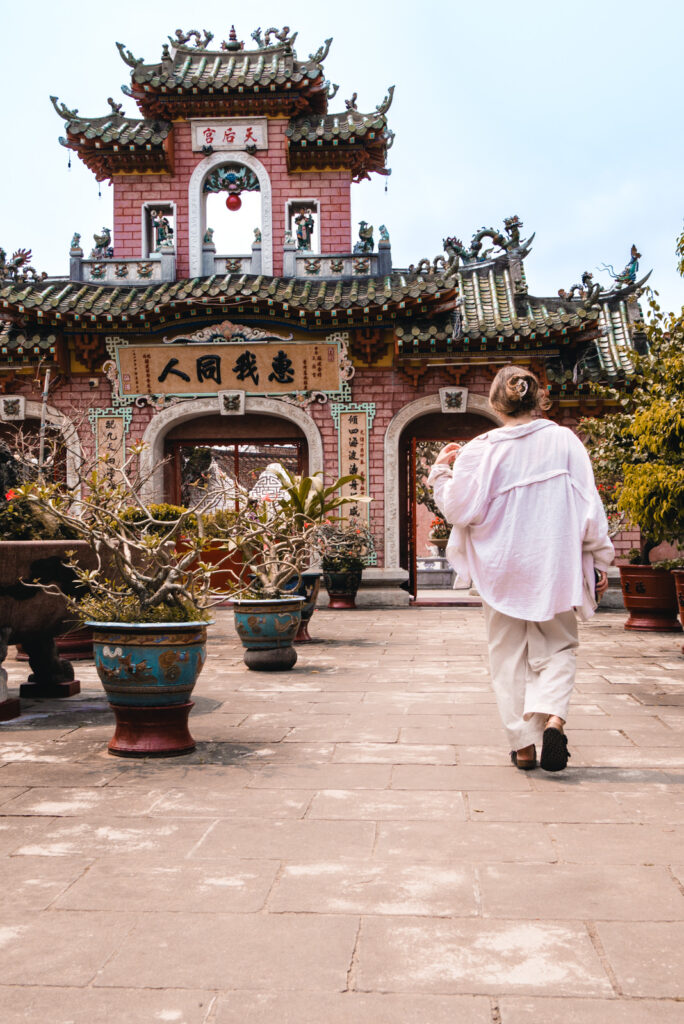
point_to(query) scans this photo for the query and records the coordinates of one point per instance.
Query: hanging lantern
(233, 202)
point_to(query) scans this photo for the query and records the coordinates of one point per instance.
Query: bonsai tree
(143, 573)
(344, 547)
(638, 452)
(275, 537)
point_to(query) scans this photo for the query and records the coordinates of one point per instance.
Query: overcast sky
(566, 114)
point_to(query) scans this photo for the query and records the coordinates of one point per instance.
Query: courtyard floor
(349, 843)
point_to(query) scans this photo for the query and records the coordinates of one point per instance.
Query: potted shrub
(344, 551)
(146, 599)
(274, 538)
(439, 534)
(639, 453)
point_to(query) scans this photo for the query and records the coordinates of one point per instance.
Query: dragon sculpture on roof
(17, 268)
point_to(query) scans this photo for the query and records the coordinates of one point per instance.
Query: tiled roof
(273, 73)
(25, 348)
(328, 127)
(349, 139)
(494, 301)
(444, 310)
(309, 300)
(115, 143)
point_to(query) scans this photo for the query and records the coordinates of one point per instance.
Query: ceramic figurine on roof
(17, 268)
(103, 248)
(365, 243)
(628, 275)
(509, 242)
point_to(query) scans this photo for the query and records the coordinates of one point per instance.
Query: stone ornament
(12, 407)
(231, 403)
(453, 399)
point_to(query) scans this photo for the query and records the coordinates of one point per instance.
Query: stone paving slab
(60, 1005)
(351, 1008)
(413, 955)
(350, 844)
(523, 1010)
(263, 952)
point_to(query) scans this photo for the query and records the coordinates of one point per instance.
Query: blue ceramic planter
(267, 630)
(149, 664)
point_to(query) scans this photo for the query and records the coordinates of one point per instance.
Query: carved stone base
(50, 691)
(10, 708)
(152, 732)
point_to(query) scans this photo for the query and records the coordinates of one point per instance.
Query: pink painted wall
(332, 189)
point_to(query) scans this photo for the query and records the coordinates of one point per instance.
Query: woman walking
(529, 529)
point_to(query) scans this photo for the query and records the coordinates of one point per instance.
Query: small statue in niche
(366, 237)
(257, 236)
(163, 232)
(305, 227)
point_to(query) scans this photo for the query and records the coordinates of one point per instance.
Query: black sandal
(524, 766)
(555, 754)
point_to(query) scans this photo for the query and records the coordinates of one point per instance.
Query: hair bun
(515, 390)
(518, 386)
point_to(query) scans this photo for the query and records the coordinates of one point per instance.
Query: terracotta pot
(650, 598)
(342, 587)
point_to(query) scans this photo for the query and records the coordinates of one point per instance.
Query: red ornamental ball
(233, 202)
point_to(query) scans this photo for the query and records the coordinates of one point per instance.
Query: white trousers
(532, 666)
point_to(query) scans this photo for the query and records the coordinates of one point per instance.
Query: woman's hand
(601, 583)
(448, 454)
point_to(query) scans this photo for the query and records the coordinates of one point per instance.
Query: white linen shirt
(528, 523)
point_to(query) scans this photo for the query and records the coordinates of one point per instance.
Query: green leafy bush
(154, 516)
(21, 519)
(638, 451)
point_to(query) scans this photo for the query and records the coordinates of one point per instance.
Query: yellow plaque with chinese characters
(258, 368)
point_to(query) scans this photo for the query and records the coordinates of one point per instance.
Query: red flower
(10, 494)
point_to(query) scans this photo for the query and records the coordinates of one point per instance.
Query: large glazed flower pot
(650, 598)
(342, 587)
(267, 630)
(32, 618)
(148, 671)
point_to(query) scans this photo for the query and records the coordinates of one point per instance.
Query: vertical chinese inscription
(111, 447)
(353, 438)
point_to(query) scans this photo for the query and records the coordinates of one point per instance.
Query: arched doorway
(237, 449)
(421, 420)
(264, 418)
